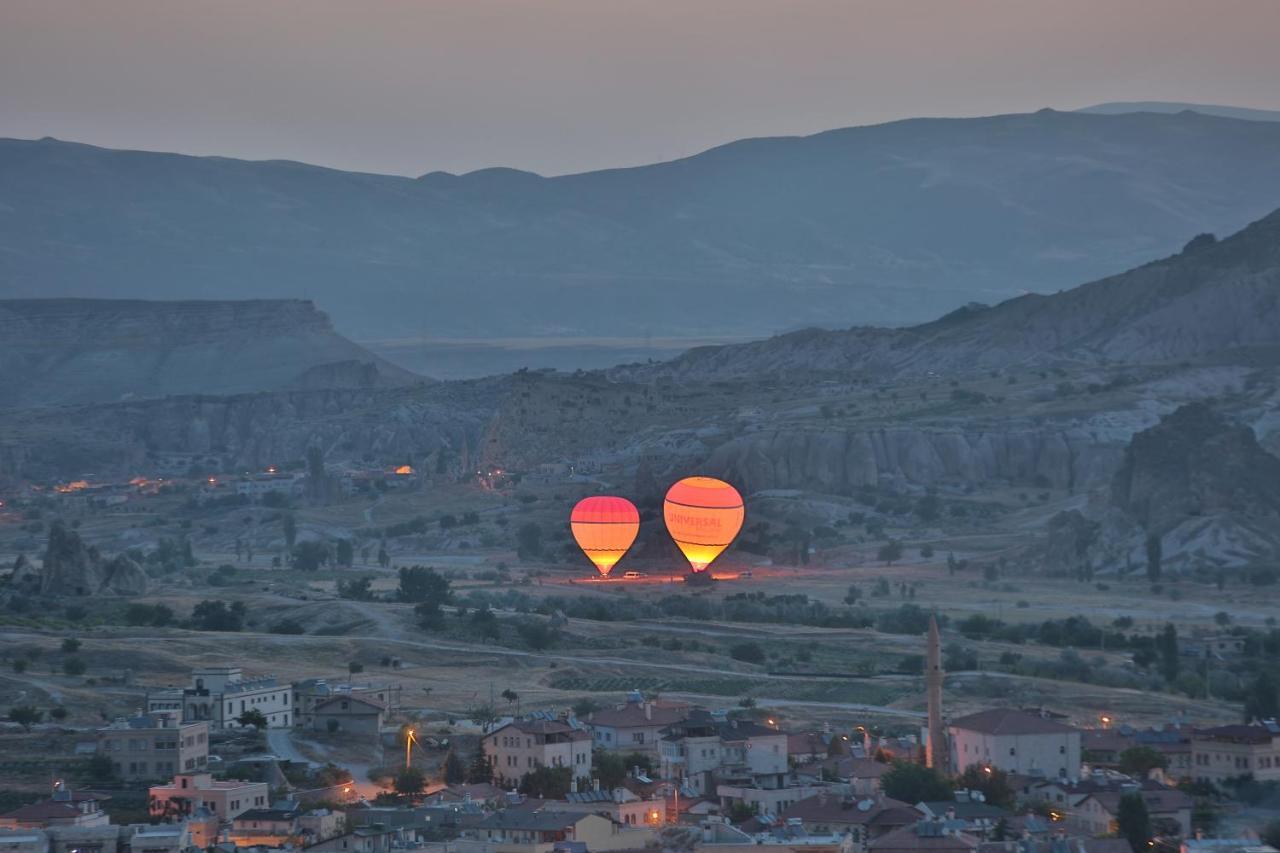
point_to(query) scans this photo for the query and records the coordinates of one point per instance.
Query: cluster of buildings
(802, 789)
(697, 780)
(219, 696)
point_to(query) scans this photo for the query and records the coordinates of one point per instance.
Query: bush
(748, 653)
(74, 666)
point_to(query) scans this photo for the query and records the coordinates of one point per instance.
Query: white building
(1016, 742)
(704, 746)
(220, 694)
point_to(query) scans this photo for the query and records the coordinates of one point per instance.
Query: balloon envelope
(604, 527)
(703, 516)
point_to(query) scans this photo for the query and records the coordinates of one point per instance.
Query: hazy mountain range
(1217, 299)
(886, 224)
(1118, 107)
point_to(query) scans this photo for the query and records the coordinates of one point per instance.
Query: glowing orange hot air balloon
(605, 527)
(703, 516)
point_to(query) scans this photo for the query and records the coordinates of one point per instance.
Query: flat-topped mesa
(61, 351)
(140, 323)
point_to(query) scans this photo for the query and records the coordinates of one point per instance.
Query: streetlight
(409, 740)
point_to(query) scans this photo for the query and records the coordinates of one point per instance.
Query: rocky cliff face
(247, 431)
(840, 461)
(1195, 482)
(71, 568)
(1194, 465)
(61, 351)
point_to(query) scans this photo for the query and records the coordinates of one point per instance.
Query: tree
(58, 713)
(25, 716)
(547, 783)
(310, 556)
(890, 551)
(748, 653)
(157, 615)
(1133, 822)
(853, 594)
(217, 616)
(1262, 699)
(421, 585)
(355, 667)
(609, 768)
(1204, 816)
(455, 772)
(345, 553)
(536, 634)
(914, 783)
(1167, 645)
(74, 666)
(19, 665)
(1141, 760)
(252, 717)
(479, 770)
(529, 541)
(99, 768)
(1154, 558)
(70, 646)
(992, 782)
(384, 559)
(289, 524)
(410, 780)
(359, 589)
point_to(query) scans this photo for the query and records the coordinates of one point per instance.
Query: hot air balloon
(604, 527)
(703, 516)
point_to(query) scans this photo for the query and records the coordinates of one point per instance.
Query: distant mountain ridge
(1213, 298)
(59, 351)
(889, 224)
(1119, 107)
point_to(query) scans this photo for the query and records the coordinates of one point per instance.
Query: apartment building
(1227, 751)
(154, 746)
(524, 745)
(189, 792)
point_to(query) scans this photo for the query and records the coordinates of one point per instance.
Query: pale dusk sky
(569, 85)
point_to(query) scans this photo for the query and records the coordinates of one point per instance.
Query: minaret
(936, 754)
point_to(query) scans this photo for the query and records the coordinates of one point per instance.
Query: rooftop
(1239, 733)
(833, 808)
(638, 714)
(1010, 721)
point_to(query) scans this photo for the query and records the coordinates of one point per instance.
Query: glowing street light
(409, 740)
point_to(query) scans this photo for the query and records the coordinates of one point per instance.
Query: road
(280, 742)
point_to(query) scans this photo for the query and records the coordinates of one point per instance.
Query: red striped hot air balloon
(703, 516)
(604, 527)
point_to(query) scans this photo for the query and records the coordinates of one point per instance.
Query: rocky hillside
(1204, 487)
(244, 431)
(1214, 299)
(61, 351)
(1196, 491)
(885, 224)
